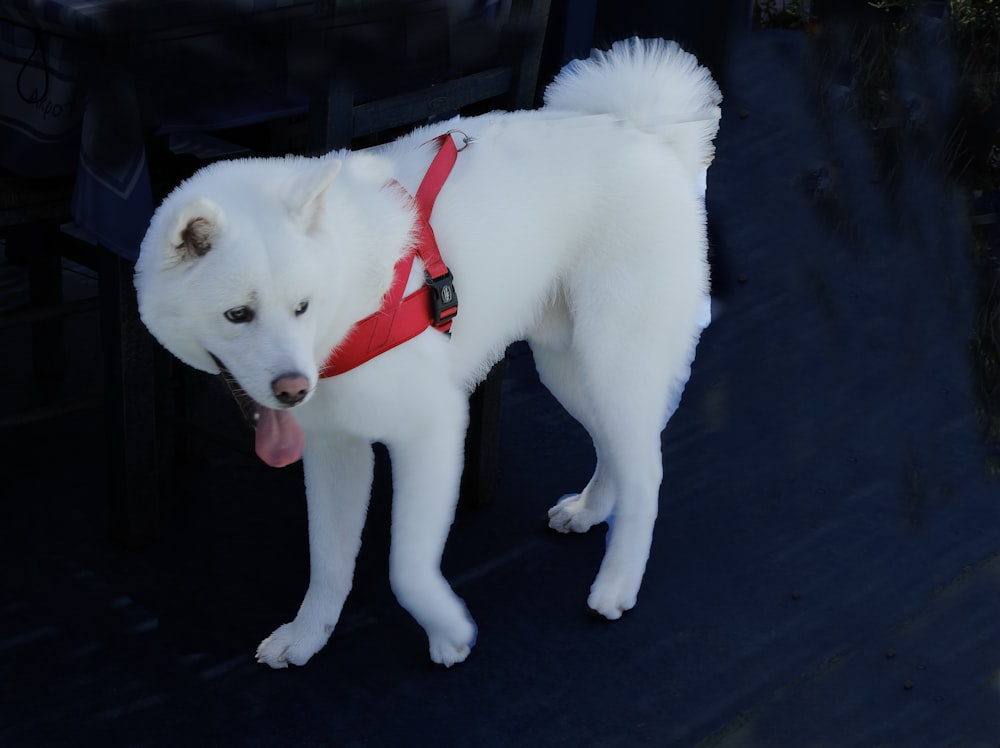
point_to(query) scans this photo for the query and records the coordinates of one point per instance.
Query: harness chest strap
(434, 304)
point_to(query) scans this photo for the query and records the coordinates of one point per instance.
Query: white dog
(579, 227)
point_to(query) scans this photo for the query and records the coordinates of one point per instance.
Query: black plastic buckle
(444, 300)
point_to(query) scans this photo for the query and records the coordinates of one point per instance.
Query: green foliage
(976, 28)
(976, 13)
(782, 14)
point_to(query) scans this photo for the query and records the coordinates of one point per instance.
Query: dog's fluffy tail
(655, 85)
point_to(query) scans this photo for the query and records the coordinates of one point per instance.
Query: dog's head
(236, 269)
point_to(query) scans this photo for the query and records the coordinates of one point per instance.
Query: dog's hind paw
(611, 598)
(448, 654)
(292, 644)
(451, 650)
(572, 514)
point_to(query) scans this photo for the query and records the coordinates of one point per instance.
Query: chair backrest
(513, 34)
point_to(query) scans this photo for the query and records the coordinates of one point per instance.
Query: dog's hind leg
(338, 473)
(623, 395)
(625, 485)
(559, 373)
(426, 468)
(629, 474)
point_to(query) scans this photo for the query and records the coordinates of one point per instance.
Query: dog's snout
(290, 389)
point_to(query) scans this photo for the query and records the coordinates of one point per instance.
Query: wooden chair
(337, 116)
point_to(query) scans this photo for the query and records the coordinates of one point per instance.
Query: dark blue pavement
(826, 567)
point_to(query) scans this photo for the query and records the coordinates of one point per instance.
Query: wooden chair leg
(48, 356)
(130, 411)
(32, 246)
(482, 442)
(331, 119)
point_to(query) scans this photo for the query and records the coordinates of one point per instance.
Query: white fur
(579, 227)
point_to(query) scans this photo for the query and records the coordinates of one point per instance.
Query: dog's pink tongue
(280, 439)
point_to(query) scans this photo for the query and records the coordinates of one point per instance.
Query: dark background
(826, 566)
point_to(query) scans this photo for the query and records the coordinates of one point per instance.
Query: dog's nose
(290, 389)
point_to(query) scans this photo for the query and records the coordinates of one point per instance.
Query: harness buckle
(444, 300)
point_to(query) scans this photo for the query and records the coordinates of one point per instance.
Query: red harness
(434, 304)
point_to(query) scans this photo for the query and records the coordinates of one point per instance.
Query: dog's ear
(194, 229)
(305, 194)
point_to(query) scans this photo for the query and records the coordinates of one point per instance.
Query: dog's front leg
(338, 472)
(427, 467)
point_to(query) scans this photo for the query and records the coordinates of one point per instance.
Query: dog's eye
(301, 308)
(239, 314)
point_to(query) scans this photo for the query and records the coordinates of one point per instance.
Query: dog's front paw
(611, 597)
(293, 644)
(572, 514)
(452, 649)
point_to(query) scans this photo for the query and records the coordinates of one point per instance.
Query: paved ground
(826, 568)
